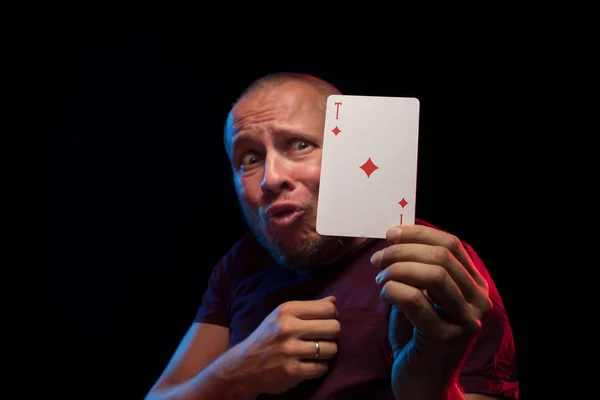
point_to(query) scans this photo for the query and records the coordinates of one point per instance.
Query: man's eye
(249, 159)
(302, 144)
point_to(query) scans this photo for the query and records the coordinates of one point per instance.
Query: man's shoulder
(245, 251)
(420, 221)
(244, 243)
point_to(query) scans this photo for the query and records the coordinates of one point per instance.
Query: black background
(121, 196)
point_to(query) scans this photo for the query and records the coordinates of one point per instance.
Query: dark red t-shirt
(246, 285)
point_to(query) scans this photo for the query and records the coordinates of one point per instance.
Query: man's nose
(276, 176)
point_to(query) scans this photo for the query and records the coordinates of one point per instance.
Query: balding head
(324, 89)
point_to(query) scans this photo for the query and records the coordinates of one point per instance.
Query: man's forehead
(280, 101)
(286, 95)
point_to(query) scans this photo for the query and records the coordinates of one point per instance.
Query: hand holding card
(369, 165)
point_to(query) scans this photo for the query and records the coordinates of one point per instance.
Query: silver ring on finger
(318, 350)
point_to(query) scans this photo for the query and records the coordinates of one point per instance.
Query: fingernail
(394, 234)
(379, 277)
(376, 258)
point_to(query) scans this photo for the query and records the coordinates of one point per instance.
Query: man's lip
(285, 219)
(282, 208)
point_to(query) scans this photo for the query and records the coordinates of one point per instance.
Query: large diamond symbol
(403, 203)
(336, 130)
(369, 167)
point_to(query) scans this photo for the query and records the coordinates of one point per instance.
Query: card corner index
(333, 96)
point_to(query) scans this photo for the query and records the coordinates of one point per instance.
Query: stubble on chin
(310, 250)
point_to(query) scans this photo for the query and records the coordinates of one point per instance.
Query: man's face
(274, 138)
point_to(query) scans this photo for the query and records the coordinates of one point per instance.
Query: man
(291, 314)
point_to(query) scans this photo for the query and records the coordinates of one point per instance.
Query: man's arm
(475, 396)
(194, 371)
(273, 359)
(456, 394)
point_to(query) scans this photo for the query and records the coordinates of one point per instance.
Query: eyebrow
(250, 136)
(238, 138)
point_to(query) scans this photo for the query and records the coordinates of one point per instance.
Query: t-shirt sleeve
(491, 367)
(214, 308)
(216, 299)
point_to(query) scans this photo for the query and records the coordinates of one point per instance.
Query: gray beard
(312, 252)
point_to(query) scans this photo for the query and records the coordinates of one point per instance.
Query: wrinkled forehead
(292, 101)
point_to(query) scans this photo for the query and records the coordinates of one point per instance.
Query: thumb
(329, 298)
(400, 330)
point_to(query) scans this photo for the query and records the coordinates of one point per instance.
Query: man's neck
(346, 251)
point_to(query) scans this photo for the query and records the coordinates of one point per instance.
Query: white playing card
(369, 165)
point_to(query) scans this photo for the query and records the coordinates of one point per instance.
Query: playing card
(369, 165)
